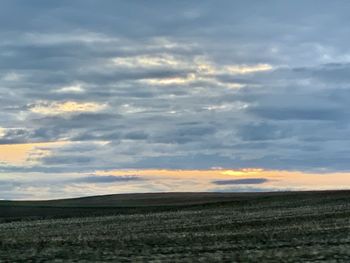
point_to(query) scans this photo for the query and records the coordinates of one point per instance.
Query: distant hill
(139, 200)
(168, 199)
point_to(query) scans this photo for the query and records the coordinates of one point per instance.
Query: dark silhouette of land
(278, 226)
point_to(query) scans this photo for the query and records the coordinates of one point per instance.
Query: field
(179, 227)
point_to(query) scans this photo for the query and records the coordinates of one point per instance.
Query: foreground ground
(280, 227)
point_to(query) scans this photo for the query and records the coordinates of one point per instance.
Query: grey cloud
(292, 117)
(16, 135)
(136, 135)
(285, 114)
(330, 73)
(9, 184)
(185, 134)
(107, 179)
(262, 131)
(241, 181)
(67, 160)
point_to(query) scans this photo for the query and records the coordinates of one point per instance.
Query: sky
(101, 97)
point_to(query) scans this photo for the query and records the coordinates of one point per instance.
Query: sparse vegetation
(284, 227)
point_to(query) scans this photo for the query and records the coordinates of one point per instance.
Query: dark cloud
(14, 136)
(286, 114)
(241, 181)
(107, 179)
(67, 160)
(262, 131)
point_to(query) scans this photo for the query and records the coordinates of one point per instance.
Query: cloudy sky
(100, 97)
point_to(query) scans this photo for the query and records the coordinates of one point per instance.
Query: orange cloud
(26, 154)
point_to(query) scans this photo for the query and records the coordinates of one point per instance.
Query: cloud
(298, 114)
(2, 132)
(241, 181)
(66, 159)
(173, 85)
(244, 69)
(147, 61)
(70, 89)
(107, 179)
(57, 108)
(262, 131)
(26, 154)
